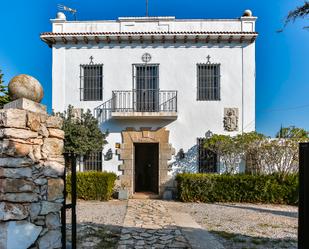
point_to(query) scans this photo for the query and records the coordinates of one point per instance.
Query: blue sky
(282, 85)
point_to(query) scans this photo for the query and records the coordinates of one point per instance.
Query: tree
(262, 155)
(82, 133)
(4, 95)
(227, 149)
(250, 144)
(279, 156)
(292, 132)
(299, 12)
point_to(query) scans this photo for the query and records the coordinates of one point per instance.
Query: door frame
(158, 166)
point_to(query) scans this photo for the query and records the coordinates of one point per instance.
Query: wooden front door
(146, 167)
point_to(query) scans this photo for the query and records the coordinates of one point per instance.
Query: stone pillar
(31, 171)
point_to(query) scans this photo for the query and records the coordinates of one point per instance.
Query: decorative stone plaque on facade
(146, 57)
(230, 120)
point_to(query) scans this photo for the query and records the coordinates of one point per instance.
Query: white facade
(177, 46)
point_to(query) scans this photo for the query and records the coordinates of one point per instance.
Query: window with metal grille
(91, 83)
(93, 162)
(208, 81)
(146, 87)
(206, 159)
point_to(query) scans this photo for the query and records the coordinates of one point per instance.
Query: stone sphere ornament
(25, 86)
(247, 13)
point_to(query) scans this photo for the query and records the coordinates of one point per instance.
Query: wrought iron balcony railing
(132, 101)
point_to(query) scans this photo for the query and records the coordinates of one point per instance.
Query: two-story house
(157, 84)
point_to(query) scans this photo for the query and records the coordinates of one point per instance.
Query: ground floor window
(206, 159)
(93, 161)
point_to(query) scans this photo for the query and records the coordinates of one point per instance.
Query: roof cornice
(52, 38)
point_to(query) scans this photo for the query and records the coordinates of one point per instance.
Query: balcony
(139, 104)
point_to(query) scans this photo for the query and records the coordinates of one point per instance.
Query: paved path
(149, 225)
(152, 224)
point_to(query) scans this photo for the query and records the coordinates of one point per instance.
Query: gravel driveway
(235, 225)
(244, 226)
(98, 223)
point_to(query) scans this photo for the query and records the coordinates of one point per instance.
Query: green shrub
(238, 188)
(93, 185)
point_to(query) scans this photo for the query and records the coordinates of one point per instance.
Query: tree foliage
(279, 156)
(227, 149)
(299, 12)
(82, 132)
(262, 155)
(231, 150)
(292, 132)
(4, 95)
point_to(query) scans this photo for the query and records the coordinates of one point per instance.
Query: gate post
(303, 206)
(74, 196)
(63, 213)
(72, 159)
(31, 170)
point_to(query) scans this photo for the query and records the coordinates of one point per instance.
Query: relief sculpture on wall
(230, 120)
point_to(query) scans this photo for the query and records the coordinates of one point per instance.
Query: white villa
(157, 84)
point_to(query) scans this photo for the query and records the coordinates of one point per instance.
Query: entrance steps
(145, 195)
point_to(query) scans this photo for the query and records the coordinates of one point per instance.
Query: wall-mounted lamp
(208, 134)
(117, 145)
(181, 154)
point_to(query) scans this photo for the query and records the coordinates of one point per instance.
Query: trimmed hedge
(238, 188)
(93, 185)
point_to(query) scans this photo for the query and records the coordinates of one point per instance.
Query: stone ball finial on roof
(247, 13)
(25, 86)
(61, 16)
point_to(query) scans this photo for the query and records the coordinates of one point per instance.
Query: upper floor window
(208, 81)
(91, 88)
(207, 160)
(146, 87)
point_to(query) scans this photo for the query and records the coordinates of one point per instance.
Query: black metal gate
(303, 216)
(71, 160)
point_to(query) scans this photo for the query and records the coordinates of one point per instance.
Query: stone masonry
(31, 184)
(149, 225)
(126, 153)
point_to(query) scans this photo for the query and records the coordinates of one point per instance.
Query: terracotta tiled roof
(156, 36)
(151, 33)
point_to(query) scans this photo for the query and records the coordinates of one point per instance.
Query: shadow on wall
(189, 164)
(186, 164)
(119, 125)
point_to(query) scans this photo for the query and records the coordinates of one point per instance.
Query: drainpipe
(242, 90)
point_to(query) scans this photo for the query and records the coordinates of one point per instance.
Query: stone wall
(31, 185)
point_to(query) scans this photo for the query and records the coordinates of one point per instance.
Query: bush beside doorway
(93, 185)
